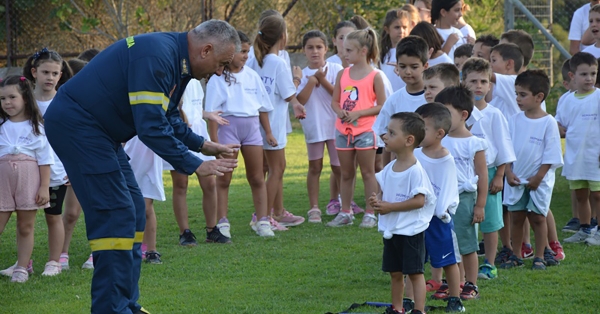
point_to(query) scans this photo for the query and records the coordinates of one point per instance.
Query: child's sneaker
(9, 271)
(225, 228)
(408, 305)
(454, 305)
(215, 236)
(288, 219)
(442, 292)
(559, 253)
(481, 251)
(526, 251)
(538, 264)
(276, 226)
(593, 240)
(52, 268)
(391, 310)
(549, 258)
(314, 215)
(368, 221)
(572, 226)
(89, 264)
(187, 238)
(487, 271)
(333, 208)
(469, 292)
(503, 256)
(263, 229)
(594, 223)
(432, 285)
(19, 274)
(153, 257)
(579, 237)
(64, 261)
(342, 219)
(356, 209)
(513, 261)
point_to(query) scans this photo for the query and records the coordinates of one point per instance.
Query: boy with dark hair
(406, 206)
(530, 179)
(440, 239)
(469, 157)
(524, 41)
(578, 115)
(483, 46)
(461, 54)
(506, 60)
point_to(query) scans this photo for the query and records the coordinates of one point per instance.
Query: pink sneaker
(288, 219)
(333, 208)
(276, 226)
(89, 263)
(9, 271)
(64, 261)
(356, 209)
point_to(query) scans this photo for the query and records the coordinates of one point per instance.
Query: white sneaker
(52, 268)
(342, 219)
(578, 237)
(9, 271)
(263, 229)
(368, 221)
(593, 240)
(89, 264)
(19, 274)
(225, 229)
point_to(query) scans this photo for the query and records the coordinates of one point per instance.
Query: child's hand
(452, 40)
(321, 74)
(351, 116)
(342, 114)
(373, 199)
(511, 179)
(296, 71)
(271, 140)
(382, 207)
(478, 214)
(299, 111)
(313, 80)
(496, 185)
(216, 117)
(470, 40)
(43, 196)
(534, 182)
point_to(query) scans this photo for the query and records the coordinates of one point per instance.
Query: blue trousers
(111, 200)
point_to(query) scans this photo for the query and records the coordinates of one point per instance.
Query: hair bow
(40, 53)
(22, 78)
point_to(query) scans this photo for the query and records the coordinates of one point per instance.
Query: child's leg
(223, 182)
(366, 159)
(517, 220)
(180, 208)
(312, 181)
(551, 225)
(574, 210)
(437, 274)
(583, 206)
(56, 228)
(378, 162)
(461, 271)
(453, 279)
(276, 161)
(70, 217)
(505, 231)
(418, 283)
(540, 229)
(397, 290)
(348, 172)
(150, 231)
(594, 203)
(471, 264)
(490, 242)
(4, 217)
(526, 232)
(209, 200)
(334, 182)
(253, 159)
(25, 227)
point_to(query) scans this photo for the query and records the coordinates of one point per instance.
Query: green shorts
(466, 232)
(525, 203)
(594, 186)
(493, 208)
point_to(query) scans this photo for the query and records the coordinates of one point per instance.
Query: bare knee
(256, 180)
(315, 167)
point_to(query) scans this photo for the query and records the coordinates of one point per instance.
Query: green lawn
(308, 269)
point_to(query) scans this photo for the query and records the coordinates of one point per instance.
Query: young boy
(461, 55)
(469, 156)
(579, 116)
(493, 128)
(530, 179)
(406, 206)
(595, 29)
(440, 239)
(506, 61)
(483, 46)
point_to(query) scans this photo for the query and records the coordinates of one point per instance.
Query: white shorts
(147, 168)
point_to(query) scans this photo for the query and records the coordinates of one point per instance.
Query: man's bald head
(211, 46)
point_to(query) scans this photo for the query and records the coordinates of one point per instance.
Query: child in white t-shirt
(493, 128)
(466, 30)
(530, 179)
(579, 116)
(506, 61)
(340, 31)
(314, 92)
(397, 25)
(444, 15)
(436, 55)
(595, 29)
(440, 238)
(471, 170)
(405, 208)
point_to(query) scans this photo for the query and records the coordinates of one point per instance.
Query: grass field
(308, 269)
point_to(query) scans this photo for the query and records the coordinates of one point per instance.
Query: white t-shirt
(246, 96)
(444, 183)
(595, 51)
(504, 97)
(445, 33)
(18, 138)
(277, 79)
(580, 116)
(319, 124)
(468, 31)
(400, 101)
(388, 69)
(493, 128)
(536, 142)
(147, 168)
(561, 100)
(580, 23)
(334, 59)
(463, 150)
(443, 58)
(57, 170)
(399, 187)
(475, 116)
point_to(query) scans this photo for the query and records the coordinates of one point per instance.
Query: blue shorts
(441, 243)
(493, 208)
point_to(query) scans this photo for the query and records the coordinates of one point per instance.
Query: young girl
(397, 25)
(424, 7)
(47, 70)
(340, 31)
(466, 30)
(357, 98)
(314, 92)
(426, 31)
(444, 15)
(277, 79)
(25, 159)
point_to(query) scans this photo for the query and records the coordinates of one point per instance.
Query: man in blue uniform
(132, 87)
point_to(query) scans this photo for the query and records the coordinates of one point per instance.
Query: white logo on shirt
(589, 116)
(24, 139)
(401, 197)
(535, 140)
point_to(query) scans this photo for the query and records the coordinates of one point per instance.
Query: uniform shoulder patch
(130, 41)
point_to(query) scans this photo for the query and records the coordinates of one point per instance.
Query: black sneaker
(549, 257)
(572, 226)
(153, 257)
(408, 305)
(593, 223)
(512, 262)
(481, 251)
(187, 238)
(215, 236)
(454, 305)
(503, 255)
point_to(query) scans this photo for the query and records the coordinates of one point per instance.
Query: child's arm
(498, 181)
(322, 78)
(450, 42)
(43, 194)
(215, 116)
(534, 182)
(305, 93)
(212, 130)
(264, 122)
(299, 111)
(511, 178)
(335, 98)
(373, 111)
(382, 207)
(482, 186)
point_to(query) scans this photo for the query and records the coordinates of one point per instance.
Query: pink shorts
(316, 151)
(241, 130)
(19, 183)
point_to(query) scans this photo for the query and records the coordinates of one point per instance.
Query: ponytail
(44, 55)
(270, 31)
(67, 74)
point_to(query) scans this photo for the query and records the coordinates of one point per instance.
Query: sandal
(512, 262)
(538, 264)
(432, 285)
(314, 215)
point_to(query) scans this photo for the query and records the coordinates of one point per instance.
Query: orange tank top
(356, 95)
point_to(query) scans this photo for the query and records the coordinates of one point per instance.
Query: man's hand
(217, 167)
(219, 150)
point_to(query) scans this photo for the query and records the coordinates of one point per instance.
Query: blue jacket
(133, 88)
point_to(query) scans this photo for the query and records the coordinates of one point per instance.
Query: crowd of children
(426, 96)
